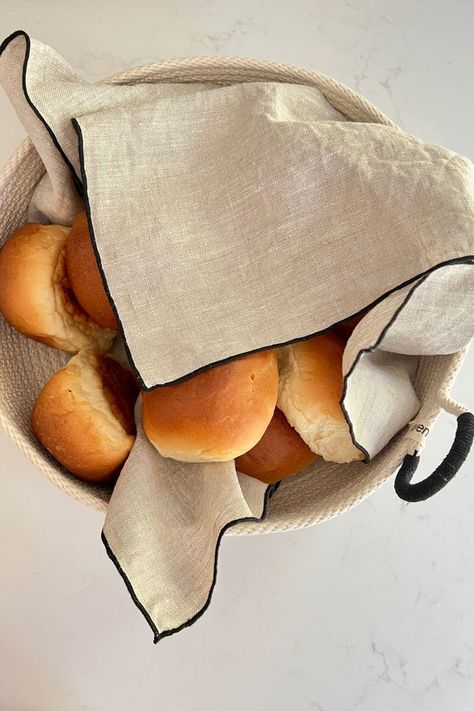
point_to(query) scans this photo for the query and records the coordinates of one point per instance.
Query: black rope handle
(443, 474)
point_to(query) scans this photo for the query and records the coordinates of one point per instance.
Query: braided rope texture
(323, 491)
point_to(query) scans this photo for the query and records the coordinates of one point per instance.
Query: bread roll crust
(85, 418)
(35, 294)
(85, 277)
(214, 416)
(310, 392)
(280, 453)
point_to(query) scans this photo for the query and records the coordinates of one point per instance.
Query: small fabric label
(417, 433)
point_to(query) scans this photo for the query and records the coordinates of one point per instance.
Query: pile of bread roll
(272, 411)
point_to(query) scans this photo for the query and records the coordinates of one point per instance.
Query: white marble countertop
(372, 610)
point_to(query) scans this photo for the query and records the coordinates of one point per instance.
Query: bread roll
(280, 453)
(84, 275)
(84, 416)
(35, 295)
(214, 416)
(310, 393)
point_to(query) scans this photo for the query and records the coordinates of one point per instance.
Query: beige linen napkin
(229, 219)
(233, 195)
(163, 527)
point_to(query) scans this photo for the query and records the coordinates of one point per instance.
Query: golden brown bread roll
(84, 416)
(35, 295)
(309, 395)
(84, 275)
(280, 453)
(214, 416)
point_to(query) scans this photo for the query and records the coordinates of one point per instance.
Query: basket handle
(443, 474)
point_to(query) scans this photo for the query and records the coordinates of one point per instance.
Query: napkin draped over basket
(238, 205)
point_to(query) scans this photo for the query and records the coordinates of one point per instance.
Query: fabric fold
(163, 526)
(235, 204)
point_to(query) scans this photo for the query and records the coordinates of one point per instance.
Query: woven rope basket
(313, 496)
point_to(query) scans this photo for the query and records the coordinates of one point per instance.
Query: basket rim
(187, 69)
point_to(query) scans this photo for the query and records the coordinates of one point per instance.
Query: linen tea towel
(266, 171)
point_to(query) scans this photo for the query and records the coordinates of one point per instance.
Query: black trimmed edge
(88, 212)
(148, 388)
(270, 490)
(370, 349)
(26, 37)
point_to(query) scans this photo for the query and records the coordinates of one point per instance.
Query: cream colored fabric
(58, 93)
(224, 199)
(426, 325)
(233, 225)
(163, 523)
(382, 355)
(380, 398)
(165, 518)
